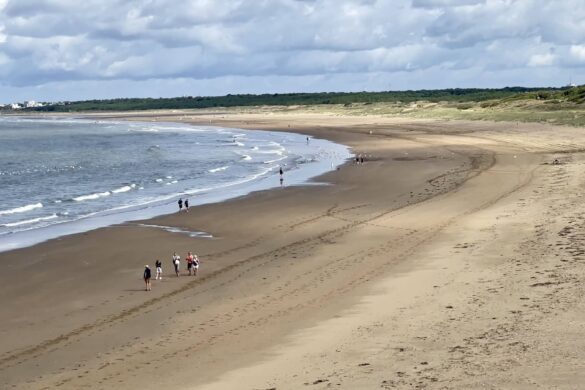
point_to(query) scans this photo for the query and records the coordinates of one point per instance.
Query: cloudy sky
(71, 49)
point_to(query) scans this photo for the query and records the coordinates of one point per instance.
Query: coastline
(332, 156)
(313, 284)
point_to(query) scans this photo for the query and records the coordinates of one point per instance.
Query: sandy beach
(451, 259)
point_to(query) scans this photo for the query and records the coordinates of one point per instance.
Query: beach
(450, 259)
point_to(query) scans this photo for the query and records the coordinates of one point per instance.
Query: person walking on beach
(280, 171)
(176, 263)
(189, 260)
(187, 205)
(180, 202)
(147, 277)
(158, 265)
(195, 265)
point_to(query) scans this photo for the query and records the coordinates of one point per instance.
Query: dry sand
(452, 259)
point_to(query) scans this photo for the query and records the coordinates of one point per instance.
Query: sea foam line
(22, 209)
(92, 196)
(123, 189)
(218, 169)
(29, 221)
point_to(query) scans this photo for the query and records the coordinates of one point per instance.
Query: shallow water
(54, 172)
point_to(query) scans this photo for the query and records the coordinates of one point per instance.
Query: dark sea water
(57, 171)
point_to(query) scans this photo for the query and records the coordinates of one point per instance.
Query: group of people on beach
(183, 203)
(191, 259)
(360, 158)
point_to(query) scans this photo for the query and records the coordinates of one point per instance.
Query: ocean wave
(144, 130)
(123, 189)
(22, 209)
(275, 160)
(277, 152)
(218, 169)
(30, 221)
(97, 195)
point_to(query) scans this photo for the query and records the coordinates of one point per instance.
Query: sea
(60, 176)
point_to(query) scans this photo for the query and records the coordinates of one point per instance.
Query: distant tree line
(291, 99)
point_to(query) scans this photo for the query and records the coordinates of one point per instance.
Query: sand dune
(451, 259)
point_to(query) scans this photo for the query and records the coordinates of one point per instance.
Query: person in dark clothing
(158, 270)
(187, 205)
(180, 202)
(147, 277)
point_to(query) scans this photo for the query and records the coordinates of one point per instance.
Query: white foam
(246, 157)
(218, 169)
(273, 161)
(123, 189)
(273, 151)
(144, 130)
(22, 209)
(97, 195)
(29, 221)
(171, 229)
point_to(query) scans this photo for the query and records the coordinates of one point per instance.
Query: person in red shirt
(189, 260)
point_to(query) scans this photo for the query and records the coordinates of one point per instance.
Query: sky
(52, 50)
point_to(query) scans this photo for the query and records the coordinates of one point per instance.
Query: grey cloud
(432, 4)
(159, 41)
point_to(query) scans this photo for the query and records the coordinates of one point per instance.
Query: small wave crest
(123, 189)
(30, 221)
(22, 209)
(275, 160)
(97, 195)
(218, 169)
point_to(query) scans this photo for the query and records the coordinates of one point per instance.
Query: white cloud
(140, 44)
(578, 52)
(541, 59)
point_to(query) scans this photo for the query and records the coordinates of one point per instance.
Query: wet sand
(451, 259)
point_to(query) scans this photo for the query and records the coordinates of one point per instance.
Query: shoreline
(302, 175)
(415, 268)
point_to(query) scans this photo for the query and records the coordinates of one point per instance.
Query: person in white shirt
(176, 263)
(196, 262)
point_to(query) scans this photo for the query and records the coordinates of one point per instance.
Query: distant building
(15, 106)
(32, 104)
